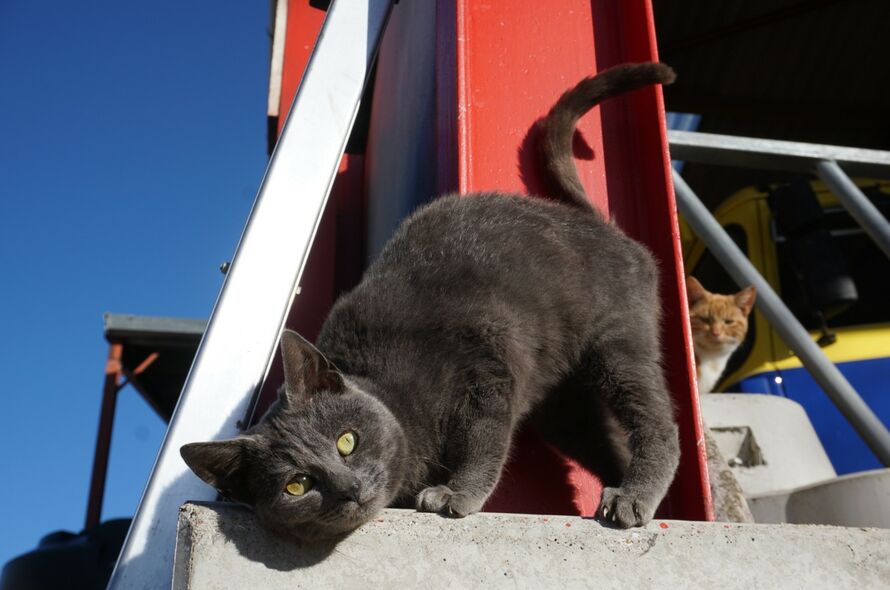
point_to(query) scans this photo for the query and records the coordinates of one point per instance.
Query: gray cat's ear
(745, 299)
(306, 370)
(694, 290)
(220, 464)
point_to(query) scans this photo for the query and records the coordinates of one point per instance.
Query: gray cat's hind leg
(632, 382)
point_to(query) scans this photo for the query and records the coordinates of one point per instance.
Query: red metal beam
(502, 64)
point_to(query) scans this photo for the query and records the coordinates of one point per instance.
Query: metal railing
(825, 161)
(237, 347)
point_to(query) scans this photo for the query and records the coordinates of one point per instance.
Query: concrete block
(221, 546)
(858, 499)
(767, 440)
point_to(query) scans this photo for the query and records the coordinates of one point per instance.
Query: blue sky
(132, 142)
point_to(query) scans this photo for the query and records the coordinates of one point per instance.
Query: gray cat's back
(533, 278)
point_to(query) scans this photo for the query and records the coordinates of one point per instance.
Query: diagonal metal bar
(856, 203)
(237, 346)
(829, 378)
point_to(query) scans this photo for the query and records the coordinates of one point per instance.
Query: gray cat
(480, 313)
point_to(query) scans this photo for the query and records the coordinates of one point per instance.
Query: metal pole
(113, 370)
(856, 203)
(857, 412)
(235, 352)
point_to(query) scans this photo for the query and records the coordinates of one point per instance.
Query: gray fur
(480, 313)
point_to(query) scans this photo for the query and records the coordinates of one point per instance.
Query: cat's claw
(624, 509)
(444, 500)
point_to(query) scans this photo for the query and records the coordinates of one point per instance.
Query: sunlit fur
(719, 325)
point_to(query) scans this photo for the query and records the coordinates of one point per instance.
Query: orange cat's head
(719, 322)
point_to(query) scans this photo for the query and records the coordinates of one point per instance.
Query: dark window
(866, 265)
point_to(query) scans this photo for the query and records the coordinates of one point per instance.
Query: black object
(320, 4)
(68, 561)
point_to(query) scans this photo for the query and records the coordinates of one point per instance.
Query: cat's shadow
(240, 527)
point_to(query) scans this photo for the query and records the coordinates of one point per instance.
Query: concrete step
(221, 546)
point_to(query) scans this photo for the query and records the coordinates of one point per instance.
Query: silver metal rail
(235, 353)
(851, 405)
(772, 154)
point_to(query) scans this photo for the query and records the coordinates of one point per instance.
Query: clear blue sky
(132, 141)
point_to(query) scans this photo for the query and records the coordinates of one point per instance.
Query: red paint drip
(663, 525)
(568, 525)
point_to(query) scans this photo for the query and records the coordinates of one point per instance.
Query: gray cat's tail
(558, 127)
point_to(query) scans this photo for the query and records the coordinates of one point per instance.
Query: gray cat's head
(324, 459)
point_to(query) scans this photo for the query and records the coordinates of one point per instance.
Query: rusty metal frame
(116, 378)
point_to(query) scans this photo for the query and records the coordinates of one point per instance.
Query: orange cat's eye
(727, 322)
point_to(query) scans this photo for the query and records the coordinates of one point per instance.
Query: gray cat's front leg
(477, 450)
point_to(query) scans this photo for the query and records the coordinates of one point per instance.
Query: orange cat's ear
(745, 299)
(694, 291)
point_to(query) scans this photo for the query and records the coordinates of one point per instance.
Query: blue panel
(845, 448)
(760, 383)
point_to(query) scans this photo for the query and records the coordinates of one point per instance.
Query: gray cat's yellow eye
(346, 443)
(299, 486)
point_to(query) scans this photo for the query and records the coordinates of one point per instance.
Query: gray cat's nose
(349, 489)
(352, 492)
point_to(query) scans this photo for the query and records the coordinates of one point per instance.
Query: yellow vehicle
(833, 278)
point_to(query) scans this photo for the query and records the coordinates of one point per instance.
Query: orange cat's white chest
(710, 367)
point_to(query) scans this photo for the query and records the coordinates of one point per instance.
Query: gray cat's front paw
(444, 500)
(624, 508)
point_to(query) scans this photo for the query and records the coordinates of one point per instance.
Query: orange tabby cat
(719, 324)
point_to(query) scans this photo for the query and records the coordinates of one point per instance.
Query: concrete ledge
(221, 546)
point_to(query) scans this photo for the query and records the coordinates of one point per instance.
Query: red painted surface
(510, 62)
(303, 24)
(500, 65)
